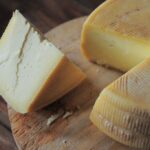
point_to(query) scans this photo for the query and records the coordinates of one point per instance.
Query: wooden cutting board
(76, 132)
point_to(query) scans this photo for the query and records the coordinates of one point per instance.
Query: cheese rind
(117, 34)
(122, 110)
(32, 70)
(64, 68)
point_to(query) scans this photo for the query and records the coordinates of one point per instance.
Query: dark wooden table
(45, 14)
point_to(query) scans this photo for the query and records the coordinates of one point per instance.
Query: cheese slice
(122, 111)
(33, 72)
(117, 33)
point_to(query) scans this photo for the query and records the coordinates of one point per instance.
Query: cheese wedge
(33, 72)
(117, 33)
(122, 111)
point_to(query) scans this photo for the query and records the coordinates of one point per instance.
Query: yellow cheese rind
(122, 110)
(57, 85)
(117, 34)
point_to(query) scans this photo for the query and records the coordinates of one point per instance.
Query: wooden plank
(46, 14)
(91, 4)
(4, 120)
(3, 114)
(6, 140)
(3, 107)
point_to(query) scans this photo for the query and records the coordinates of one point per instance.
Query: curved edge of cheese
(118, 133)
(33, 72)
(108, 48)
(87, 30)
(103, 44)
(57, 85)
(122, 111)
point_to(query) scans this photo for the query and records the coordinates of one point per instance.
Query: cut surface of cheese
(33, 72)
(117, 34)
(122, 111)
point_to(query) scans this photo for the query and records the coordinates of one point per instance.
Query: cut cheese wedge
(117, 34)
(122, 111)
(33, 72)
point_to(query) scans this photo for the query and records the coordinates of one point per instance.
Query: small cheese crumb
(78, 107)
(54, 117)
(64, 141)
(67, 114)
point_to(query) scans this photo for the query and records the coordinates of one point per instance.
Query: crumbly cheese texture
(117, 33)
(32, 70)
(122, 111)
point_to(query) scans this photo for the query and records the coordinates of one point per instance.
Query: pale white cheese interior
(24, 58)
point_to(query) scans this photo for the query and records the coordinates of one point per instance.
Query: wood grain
(76, 132)
(6, 141)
